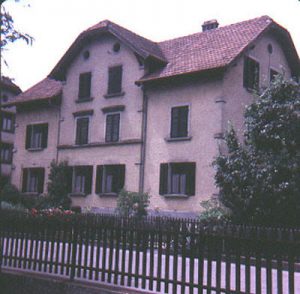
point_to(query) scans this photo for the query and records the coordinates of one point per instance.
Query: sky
(55, 24)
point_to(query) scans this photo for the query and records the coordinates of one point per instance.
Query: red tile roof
(45, 89)
(211, 49)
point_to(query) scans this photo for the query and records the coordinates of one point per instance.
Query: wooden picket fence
(163, 255)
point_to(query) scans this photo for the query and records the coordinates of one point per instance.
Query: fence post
(1, 239)
(74, 238)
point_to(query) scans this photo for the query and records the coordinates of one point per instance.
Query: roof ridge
(216, 29)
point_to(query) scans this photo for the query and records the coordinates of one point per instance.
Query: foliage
(58, 185)
(132, 203)
(9, 33)
(259, 179)
(11, 206)
(10, 194)
(213, 212)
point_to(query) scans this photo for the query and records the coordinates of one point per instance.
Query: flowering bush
(51, 213)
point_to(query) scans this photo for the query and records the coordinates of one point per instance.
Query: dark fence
(159, 254)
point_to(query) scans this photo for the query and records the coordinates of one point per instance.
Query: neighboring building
(129, 112)
(8, 90)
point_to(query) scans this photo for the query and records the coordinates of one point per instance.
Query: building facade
(8, 90)
(126, 112)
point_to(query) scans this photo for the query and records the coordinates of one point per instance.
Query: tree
(9, 34)
(259, 180)
(59, 185)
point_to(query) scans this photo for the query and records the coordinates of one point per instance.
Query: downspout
(143, 139)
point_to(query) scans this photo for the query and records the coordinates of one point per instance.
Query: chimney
(210, 25)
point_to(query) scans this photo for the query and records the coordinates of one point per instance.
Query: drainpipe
(143, 138)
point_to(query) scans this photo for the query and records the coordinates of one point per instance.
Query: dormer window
(85, 86)
(251, 74)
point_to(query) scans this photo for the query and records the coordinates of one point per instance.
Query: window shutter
(118, 177)
(114, 79)
(108, 132)
(183, 121)
(99, 177)
(24, 182)
(82, 131)
(44, 130)
(41, 179)
(88, 180)
(85, 85)
(116, 127)
(174, 122)
(191, 178)
(246, 72)
(163, 180)
(256, 75)
(28, 136)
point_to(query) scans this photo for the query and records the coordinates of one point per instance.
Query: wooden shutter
(251, 73)
(191, 178)
(88, 180)
(24, 181)
(115, 79)
(108, 131)
(85, 85)
(118, 177)
(44, 129)
(183, 121)
(99, 177)
(115, 127)
(163, 179)
(174, 122)
(28, 136)
(41, 179)
(82, 131)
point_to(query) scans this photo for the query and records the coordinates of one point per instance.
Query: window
(177, 178)
(251, 74)
(273, 74)
(110, 178)
(37, 136)
(4, 98)
(85, 85)
(114, 80)
(112, 127)
(33, 180)
(82, 179)
(7, 122)
(82, 130)
(6, 153)
(179, 121)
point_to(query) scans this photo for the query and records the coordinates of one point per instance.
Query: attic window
(86, 55)
(116, 47)
(270, 49)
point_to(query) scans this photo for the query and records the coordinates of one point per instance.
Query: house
(8, 90)
(127, 112)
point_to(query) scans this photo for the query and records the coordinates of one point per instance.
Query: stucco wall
(204, 123)
(235, 95)
(41, 158)
(101, 58)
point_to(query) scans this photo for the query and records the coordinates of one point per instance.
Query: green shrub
(132, 203)
(10, 206)
(213, 212)
(10, 194)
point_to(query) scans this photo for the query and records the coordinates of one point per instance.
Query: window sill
(35, 149)
(112, 95)
(108, 194)
(175, 196)
(8, 131)
(177, 139)
(82, 100)
(77, 194)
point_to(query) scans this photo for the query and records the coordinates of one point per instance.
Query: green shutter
(163, 179)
